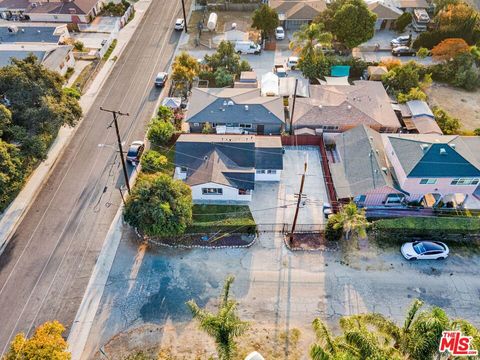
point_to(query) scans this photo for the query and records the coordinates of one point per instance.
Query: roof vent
(205, 158)
(349, 107)
(246, 107)
(424, 147)
(38, 31)
(320, 106)
(230, 103)
(453, 146)
(12, 29)
(225, 103)
(443, 151)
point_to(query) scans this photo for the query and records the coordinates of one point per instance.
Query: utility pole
(293, 106)
(119, 140)
(302, 182)
(184, 16)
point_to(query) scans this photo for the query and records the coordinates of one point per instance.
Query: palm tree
(351, 221)
(305, 39)
(223, 326)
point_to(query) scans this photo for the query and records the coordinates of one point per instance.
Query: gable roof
(211, 104)
(75, 7)
(437, 155)
(384, 11)
(364, 102)
(298, 9)
(228, 160)
(419, 108)
(362, 166)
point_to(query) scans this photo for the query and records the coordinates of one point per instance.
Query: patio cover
(172, 102)
(287, 87)
(269, 84)
(343, 80)
(376, 72)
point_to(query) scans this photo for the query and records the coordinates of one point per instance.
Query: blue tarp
(340, 70)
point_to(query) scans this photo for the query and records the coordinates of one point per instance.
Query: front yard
(222, 218)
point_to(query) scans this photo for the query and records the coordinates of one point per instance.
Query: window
(243, 192)
(461, 181)
(428, 181)
(260, 171)
(214, 125)
(271, 171)
(183, 169)
(212, 191)
(246, 126)
(196, 124)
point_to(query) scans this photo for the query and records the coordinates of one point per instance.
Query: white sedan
(424, 250)
(179, 24)
(279, 33)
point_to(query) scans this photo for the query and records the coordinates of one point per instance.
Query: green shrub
(448, 124)
(403, 21)
(160, 131)
(414, 94)
(74, 93)
(152, 162)
(223, 78)
(78, 45)
(332, 234)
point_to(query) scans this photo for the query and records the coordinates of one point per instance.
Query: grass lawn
(169, 152)
(442, 224)
(228, 218)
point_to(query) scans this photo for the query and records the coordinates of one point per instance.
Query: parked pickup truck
(280, 70)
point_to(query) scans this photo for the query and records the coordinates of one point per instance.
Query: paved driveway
(277, 291)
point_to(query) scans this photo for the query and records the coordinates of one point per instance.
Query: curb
(16, 211)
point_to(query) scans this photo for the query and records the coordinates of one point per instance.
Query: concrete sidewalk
(15, 212)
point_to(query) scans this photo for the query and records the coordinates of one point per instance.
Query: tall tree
(159, 205)
(224, 325)
(305, 39)
(351, 220)
(265, 19)
(185, 67)
(353, 23)
(11, 173)
(225, 57)
(5, 118)
(46, 343)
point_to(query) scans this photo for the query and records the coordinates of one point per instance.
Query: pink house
(441, 165)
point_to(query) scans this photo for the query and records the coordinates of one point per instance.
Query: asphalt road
(46, 266)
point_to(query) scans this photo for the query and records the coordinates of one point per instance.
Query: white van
(247, 47)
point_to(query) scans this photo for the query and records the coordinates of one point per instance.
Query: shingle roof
(437, 155)
(229, 160)
(212, 105)
(365, 102)
(384, 11)
(29, 34)
(415, 4)
(76, 7)
(299, 9)
(363, 166)
(419, 108)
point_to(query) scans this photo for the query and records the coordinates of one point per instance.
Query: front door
(260, 129)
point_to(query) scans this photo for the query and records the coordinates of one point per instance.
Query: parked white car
(292, 62)
(279, 33)
(247, 47)
(424, 250)
(179, 24)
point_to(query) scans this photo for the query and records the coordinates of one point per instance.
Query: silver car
(424, 250)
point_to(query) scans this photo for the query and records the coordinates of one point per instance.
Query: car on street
(161, 79)
(179, 24)
(403, 40)
(403, 51)
(327, 210)
(292, 62)
(279, 33)
(424, 250)
(135, 151)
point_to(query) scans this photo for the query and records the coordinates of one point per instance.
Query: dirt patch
(242, 19)
(187, 342)
(306, 241)
(459, 103)
(207, 240)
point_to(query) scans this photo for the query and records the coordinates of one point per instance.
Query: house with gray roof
(434, 164)
(338, 108)
(293, 14)
(235, 111)
(225, 168)
(418, 118)
(360, 170)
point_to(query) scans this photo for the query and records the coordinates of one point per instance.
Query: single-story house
(18, 34)
(294, 14)
(75, 11)
(360, 171)
(418, 118)
(235, 111)
(54, 57)
(337, 108)
(386, 14)
(221, 168)
(434, 164)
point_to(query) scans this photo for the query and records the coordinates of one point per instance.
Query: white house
(225, 168)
